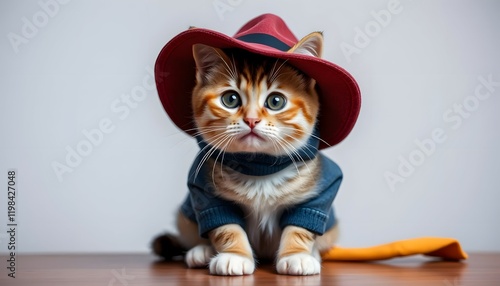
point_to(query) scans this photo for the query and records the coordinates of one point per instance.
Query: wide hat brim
(175, 72)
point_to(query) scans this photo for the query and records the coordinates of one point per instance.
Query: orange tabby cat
(257, 107)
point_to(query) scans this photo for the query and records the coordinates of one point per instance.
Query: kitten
(257, 185)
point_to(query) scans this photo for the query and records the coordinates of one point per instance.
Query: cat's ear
(206, 57)
(311, 45)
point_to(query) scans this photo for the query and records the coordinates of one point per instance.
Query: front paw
(298, 264)
(199, 256)
(231, 264)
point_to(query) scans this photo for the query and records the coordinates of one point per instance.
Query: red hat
(266, 35)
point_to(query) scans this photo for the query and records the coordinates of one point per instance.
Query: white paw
(199, 256)
(231, 264)
(298, 264)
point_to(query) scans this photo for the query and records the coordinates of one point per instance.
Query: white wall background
(66, 76)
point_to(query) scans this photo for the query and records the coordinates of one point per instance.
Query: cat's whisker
(187, 138)
(308, 149)
(279, 150)
(228, 69)
(224, 153)
(210, 127)
(271, 73)
(227, 74)
(287, 151)
(307, 133)
(180, 140)
(208, 155)
(208, 131)
(276, 72)
(306, 146)
(274, 67)
(216, 139)
(293, 149)
(228, 138)
(273, 138)
(203, 131)
(215, 164)
(291, 156)
(203, 128)
(233, 64)
(284, 73)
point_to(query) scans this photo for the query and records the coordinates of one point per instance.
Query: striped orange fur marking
(296, 240)
(231, 239)
(199, 107)
(301, 105)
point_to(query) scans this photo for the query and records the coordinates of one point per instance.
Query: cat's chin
(252, 140)
(252, 143)
(249, 149)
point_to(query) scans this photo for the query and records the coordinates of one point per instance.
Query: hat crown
(268, 24)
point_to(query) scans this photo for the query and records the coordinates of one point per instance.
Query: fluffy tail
(167, 246)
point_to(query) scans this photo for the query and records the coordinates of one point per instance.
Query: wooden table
(144, 269)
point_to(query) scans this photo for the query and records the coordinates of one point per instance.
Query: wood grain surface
(144, 269)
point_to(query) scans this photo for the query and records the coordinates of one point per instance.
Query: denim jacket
(210, 211)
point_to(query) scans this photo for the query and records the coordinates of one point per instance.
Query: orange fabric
(446, 248)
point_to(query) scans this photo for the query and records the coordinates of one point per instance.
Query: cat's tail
(167, 246)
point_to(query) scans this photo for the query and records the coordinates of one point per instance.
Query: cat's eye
(275, 101)
(230, 99)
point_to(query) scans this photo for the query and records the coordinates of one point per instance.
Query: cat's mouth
(251, 136)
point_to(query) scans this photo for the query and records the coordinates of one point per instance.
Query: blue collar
(261, 164)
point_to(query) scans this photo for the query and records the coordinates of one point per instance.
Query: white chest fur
(264, 198)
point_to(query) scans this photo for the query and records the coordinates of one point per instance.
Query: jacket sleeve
(316, 214)
(209, 210)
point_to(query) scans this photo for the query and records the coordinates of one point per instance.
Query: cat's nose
(251, 122)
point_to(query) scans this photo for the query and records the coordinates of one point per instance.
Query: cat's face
(248, 103)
